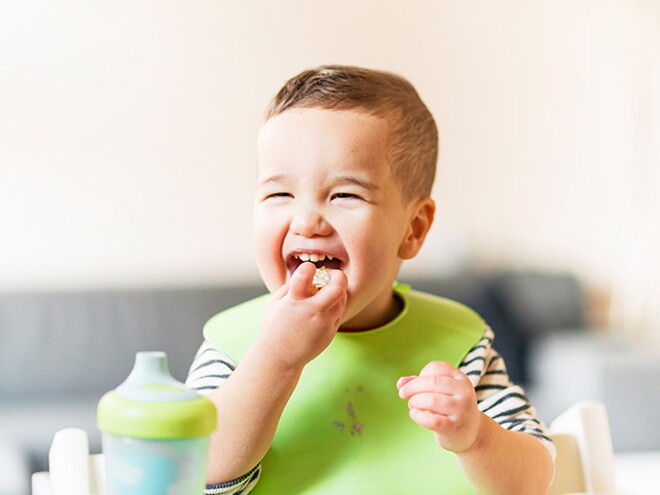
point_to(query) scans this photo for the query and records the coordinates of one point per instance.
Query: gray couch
(60, 351)
(567, 361)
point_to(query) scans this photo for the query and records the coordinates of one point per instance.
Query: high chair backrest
(585, 459)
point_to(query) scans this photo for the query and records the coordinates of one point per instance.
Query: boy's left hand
(443, 400)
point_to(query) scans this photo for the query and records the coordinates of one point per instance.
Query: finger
(441, 368)
(439, 384)
(436, 403)
(403, 380)
(281, 292)
(339, 305)
(429, 420)
(334, 292)
(301, 280)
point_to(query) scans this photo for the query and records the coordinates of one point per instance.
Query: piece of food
(321, 278)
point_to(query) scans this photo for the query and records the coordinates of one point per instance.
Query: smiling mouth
(320, 260)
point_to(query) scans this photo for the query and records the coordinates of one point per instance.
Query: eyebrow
(273, 179)
(342, 180)
(352, 180)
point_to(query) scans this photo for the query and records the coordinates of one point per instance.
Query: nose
(309, 221)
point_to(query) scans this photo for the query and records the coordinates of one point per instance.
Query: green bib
(345, 430)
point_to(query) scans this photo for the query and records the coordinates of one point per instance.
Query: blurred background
(127, 168)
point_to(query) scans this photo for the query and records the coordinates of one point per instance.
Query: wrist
(482, 436)
(278, 360)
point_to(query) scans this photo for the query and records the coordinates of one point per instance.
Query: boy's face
(325, 188)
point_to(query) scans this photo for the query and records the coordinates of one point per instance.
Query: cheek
(378, 238)
(267, 232)
(370, 253)
(377, 251)
(267, 247)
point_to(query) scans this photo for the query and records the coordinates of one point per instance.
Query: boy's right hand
(299, 324)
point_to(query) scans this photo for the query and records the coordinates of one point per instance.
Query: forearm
(249, 405)
(503, 462)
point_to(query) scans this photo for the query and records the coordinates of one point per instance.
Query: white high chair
(585, 459)
(584, 465)
(73, 471)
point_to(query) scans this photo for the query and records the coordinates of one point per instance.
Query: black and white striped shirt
(497, 397)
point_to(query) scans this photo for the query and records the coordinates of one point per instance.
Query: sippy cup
(155, 432)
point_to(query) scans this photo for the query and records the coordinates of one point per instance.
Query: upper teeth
(313, 257)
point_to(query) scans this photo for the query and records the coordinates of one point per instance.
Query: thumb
(301, 281)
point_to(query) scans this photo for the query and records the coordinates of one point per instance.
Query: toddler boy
(325, 390)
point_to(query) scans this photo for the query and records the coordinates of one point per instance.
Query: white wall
(127, 130)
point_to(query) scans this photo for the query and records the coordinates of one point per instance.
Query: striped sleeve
(209, 369)
(497, 396)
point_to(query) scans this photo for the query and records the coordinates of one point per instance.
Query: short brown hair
(414, 136)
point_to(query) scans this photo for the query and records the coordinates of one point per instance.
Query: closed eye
(345, 196)
(280, 195)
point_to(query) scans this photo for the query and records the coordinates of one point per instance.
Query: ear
(421, 219)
